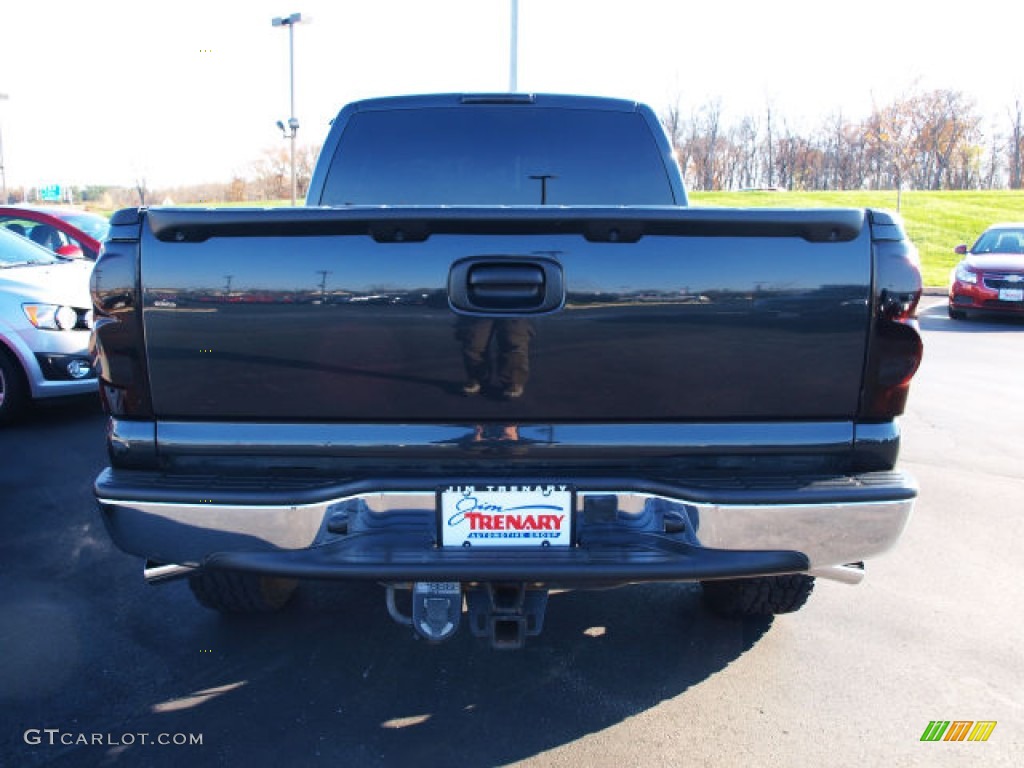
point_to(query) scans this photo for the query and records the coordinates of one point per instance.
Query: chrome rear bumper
(372, 533)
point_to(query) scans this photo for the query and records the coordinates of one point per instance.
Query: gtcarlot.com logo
(54, 737)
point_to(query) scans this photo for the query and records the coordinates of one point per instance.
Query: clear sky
(105, 91)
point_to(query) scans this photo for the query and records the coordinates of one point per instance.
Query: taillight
(117, 346)
(894, 346)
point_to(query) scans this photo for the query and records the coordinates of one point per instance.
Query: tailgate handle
(521, 285)
(506, 285)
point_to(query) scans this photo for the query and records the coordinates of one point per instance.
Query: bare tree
(272, 174)
(237, 189)
(676, 129)
(744, 140)
(712, 117)
(305, 161)
(702, 146)
(769, 141)
(672, 121)
(1015, 144)
(994, 155)
(923, 140)
(891, 132)
(843, 145)
(944, 135)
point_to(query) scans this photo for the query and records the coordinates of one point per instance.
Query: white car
(45, 322)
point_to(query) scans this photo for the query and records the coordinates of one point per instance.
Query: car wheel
(955, 314)
(759, 596)
(14, 397)
(237, 592)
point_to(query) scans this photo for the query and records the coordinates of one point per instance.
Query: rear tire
(759, 596)
(14, 399)
(237, 592)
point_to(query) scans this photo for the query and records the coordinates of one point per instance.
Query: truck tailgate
(334, 315)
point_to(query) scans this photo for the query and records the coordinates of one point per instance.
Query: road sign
(51, 193)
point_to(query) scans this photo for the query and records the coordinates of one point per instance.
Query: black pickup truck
(495, 354)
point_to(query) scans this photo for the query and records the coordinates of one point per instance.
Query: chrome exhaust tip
(158, 573)
(851, 573)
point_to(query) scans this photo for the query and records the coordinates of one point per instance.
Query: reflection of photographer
(511, 337)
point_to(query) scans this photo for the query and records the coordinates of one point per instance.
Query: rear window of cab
(497, 155)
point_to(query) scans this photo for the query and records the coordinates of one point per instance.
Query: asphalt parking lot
(631, 677)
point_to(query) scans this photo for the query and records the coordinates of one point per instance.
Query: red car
(67, 231)
(991, 276)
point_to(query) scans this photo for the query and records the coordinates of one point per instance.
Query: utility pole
(543, 179)
(513, 63)
(323, 283)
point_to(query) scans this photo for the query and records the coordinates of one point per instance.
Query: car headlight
(965, 275)
(51, 317)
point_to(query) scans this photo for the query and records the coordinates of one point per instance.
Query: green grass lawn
(936, 221)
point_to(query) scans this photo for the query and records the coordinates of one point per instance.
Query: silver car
(45, 322)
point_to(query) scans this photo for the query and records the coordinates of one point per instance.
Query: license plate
(506, 515)
(1011, 294)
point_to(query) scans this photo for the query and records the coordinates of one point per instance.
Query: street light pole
(293, 123)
